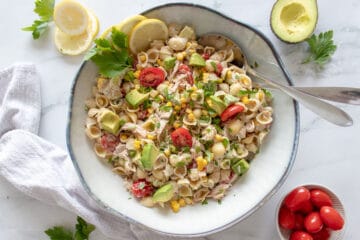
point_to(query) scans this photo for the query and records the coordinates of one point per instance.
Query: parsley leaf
(45, 10)
(59, 233)
(321, 48)
(83, 229)
(111, 56)
(209, 88)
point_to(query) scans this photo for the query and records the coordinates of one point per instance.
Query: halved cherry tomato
(218, 69)
(296, 198)
(286, 218)
(300, 235)
(151, 76)
(231, 111)
(109, 142)
(313, 222)
(331, 218)
(320, 198)
(206, 56)
(184, 69)
(323, 234)
(299, 222)
(181, 137)
(306, 207)
(141, 188)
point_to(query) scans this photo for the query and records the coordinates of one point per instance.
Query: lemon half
(74, 45)
(71, 17)
(124, 26)
(145, 32)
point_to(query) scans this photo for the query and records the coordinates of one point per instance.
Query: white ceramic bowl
(268, 170)
(334, 235)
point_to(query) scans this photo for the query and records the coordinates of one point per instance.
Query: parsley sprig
(45, 10)
(321, 48)
(83, 230)
(111, 55)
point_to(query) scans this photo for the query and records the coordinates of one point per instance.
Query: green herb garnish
(45, 10)
(321, 48)
(82, 232)
(111, 55)
(204, 202)
(209, 88)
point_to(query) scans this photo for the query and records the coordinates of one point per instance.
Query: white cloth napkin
(41, 169)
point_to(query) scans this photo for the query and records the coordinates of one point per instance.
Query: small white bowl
(334, 235)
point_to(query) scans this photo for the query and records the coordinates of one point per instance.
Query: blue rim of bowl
(251, 211)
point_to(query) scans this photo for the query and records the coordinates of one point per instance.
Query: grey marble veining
(327, 154)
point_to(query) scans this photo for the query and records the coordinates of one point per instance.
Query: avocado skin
(274, 27)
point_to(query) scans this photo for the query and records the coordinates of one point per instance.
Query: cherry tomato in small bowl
(317, 210)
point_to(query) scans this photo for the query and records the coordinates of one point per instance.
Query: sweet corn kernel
(228, 74)
(183, 105)
(142, 58)
(191, 51)
(151, 137)
(177, 108)
(205, 77)
(194, 96)
(245, 99)
(183, 100)
(167, 152)
(150, 110)
(180, 57)
(137, 144)
(209, 102)
(218, 138)
(194, 88)
(123, 137)
(182, 202)
(169, 104)
(201, 163)
(191, 117)
(204, 112)
(137, 74)
(175, 206)
(220, 80)
(177, 124)
(159, 62)
(161, 97)
(137, 86)
(188, 110)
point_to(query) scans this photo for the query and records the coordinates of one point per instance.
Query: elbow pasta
(207, 168)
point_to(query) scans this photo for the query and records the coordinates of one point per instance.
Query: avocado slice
(135, 98)
(294, 21)
(169, 62)
(148, 156)
(164, 194)
(216, 104)
(197, 60)
(240, 167)
(109, 121)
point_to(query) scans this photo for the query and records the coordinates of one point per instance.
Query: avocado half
(294, 20)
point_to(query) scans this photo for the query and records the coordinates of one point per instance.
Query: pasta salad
(182, 124)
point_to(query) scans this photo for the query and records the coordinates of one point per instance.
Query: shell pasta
(180, 126)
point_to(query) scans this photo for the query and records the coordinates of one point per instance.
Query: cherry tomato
(206, 56)
(184, 69)
(286, 218)
(323, 234)
(231, 111)
(296, 198)
(181, 137)
(331, 218)
(320, 198)
(109, 142)
(313, 222)
(218, 69)
(141, 188)
(300, 235)
(151, 76)
(299, 222)
(306, 207)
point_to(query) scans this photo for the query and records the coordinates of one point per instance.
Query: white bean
(219, 150)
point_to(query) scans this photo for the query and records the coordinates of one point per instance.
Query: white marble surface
(327, 154)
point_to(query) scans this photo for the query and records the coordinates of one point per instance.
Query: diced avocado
(135, 98)
(197, 60)
(169, 62)
(216, 104)
(164, 194)
(229, 99)
(240, 167)
(187, 32)
(148, 156)
(109, 121)
(294, 20)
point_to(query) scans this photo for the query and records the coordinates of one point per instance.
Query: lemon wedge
(71, 17)
(124, 26)
(75, 45)
(145, 32)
